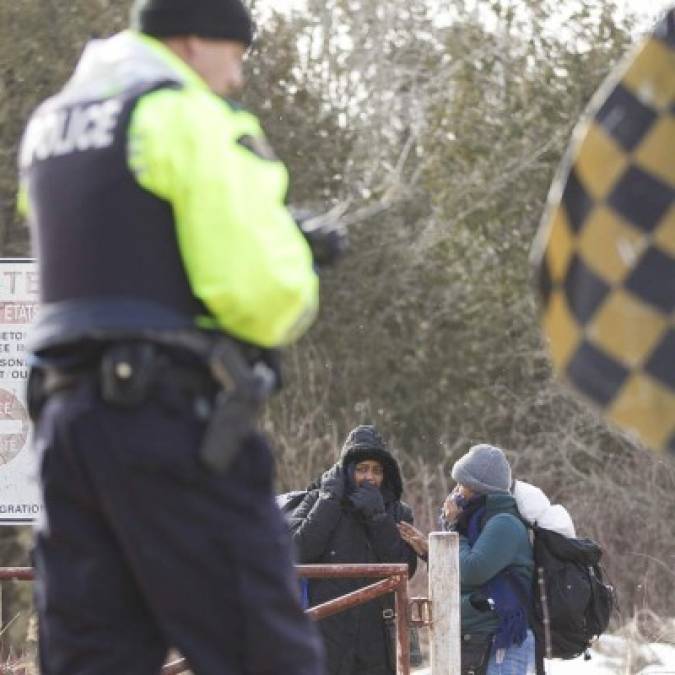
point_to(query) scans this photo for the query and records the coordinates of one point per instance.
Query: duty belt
(126, 372)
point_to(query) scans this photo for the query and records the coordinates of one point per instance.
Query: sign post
(445, 599)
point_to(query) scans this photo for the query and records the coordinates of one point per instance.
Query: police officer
(156, 210)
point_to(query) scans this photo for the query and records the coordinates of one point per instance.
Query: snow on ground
(614, 656)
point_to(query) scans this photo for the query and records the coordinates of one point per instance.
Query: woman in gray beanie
(495, 555)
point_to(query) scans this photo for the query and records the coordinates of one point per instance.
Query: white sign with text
(19, 500)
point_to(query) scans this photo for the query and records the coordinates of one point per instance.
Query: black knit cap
(216, 19)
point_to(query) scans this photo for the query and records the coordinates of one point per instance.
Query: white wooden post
(444, 596)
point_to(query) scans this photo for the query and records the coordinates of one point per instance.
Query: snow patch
(609, 656)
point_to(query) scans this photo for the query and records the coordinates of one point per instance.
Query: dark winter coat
(328, 531)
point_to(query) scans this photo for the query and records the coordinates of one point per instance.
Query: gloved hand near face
(333, 482)
(368, 500)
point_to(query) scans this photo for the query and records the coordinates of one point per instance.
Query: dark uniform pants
(142, 549)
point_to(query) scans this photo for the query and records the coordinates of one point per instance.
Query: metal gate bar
(16, 574)
(397, 581)
(396, 578)
(351, 570)
(176, 667)
(353, 599)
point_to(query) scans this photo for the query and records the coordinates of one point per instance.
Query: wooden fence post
(444, 596)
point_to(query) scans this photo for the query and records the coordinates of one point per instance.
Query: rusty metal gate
(393, 578)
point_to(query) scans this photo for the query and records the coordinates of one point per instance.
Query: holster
(244, 390)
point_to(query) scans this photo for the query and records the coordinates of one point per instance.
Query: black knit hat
(364, 437)
(216, 19)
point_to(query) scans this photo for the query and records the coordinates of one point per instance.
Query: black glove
(368, 500)
(333, 482)
(481, 602)
(325, 234)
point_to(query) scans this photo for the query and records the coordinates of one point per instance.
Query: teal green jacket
(504, 542)
(244, 257)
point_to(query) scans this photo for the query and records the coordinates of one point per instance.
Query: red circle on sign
(14, 425)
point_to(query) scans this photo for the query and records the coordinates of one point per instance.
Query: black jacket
(328, 531)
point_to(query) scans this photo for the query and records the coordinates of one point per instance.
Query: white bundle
(536, 508)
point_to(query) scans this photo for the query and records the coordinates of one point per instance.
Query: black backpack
(572, 603)
(289, 501)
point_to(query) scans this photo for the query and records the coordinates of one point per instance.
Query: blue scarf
(512, 615)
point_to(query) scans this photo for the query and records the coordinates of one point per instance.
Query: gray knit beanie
(483, 469)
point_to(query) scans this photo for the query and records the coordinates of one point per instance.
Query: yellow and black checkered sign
(605, 253)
